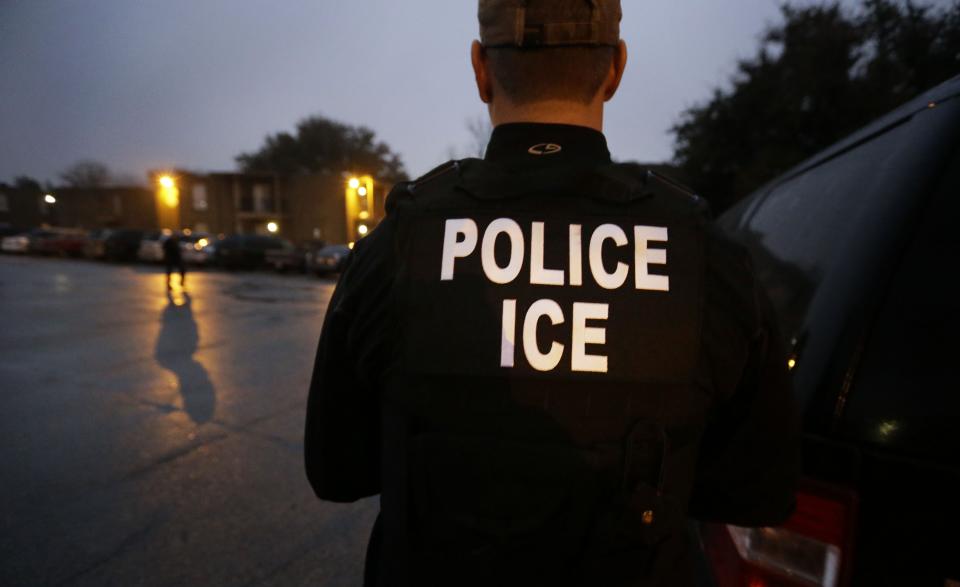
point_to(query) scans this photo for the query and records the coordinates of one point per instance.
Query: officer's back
(544, 361)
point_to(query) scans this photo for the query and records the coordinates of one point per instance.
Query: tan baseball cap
(538, 23)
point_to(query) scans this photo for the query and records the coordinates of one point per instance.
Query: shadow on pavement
(176, 344)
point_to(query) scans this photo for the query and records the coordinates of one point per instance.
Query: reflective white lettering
(538, 360)
(584, 335)
(576, 261)
(453, 247)
(619, 276)
(538, 274)
(645, 255)
(495, 273)
(508, 338)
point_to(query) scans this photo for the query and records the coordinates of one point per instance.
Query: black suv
(858, 247)
(247, 251)
(122, 244)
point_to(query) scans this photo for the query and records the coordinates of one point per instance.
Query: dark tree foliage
(321, 145)
(819, 75)
(86, 174)
(26, 183)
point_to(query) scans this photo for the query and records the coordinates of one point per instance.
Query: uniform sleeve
(342, 433)
(750, 453)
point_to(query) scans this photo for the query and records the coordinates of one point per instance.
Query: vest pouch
(638, 533)
(483, 503)
(641, 513)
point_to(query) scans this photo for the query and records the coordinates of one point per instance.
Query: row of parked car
(241, 251)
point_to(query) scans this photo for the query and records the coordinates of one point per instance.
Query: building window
(261, 198)
(4, 203)
(200, 197)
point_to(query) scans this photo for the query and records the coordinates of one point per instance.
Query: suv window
(822, 241)
(803, 229)
(902, 396)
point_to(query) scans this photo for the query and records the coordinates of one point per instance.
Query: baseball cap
(539, 23)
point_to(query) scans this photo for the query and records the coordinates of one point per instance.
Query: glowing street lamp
(169, 194)
(272, 227)
(359, 206)
(49, 199)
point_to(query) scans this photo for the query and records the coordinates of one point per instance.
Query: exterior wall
(82, 208)
(23, 208)
(318, 207)
(223, 203)
(129, 207)
(305, 208)
(317, 210)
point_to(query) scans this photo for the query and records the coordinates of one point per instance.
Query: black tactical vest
(542, 427)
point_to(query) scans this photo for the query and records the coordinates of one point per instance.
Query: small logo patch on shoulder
(545, 149)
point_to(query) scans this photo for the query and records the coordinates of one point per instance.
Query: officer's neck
(548, 112)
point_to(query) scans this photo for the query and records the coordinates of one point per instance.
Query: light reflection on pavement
(148, 439)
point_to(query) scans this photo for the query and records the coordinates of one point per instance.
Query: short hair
(572, 73)
(550, 73)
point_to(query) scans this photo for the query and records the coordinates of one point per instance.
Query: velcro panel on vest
(464, 323)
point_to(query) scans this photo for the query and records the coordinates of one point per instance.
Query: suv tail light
(813, 548)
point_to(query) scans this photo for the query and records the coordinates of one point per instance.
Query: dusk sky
(189, 84)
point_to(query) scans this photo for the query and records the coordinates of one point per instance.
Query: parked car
(199, 249)
(65, 242)
(858, 249)
(246, 251)
(192, 247)
(329, 259)
(15, 243)
(27, 242)
(293, 257)
(151, 247)
(122, 244)
(94, 247)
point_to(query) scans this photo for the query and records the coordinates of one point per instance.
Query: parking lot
(149, 438)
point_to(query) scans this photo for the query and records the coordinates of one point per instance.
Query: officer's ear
(615, 75)
(481, 71)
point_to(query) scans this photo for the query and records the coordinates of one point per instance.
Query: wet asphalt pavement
(148, 439)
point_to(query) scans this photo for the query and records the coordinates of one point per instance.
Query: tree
(28, 184)
(86, 174)
(321, 145)
(817, 76)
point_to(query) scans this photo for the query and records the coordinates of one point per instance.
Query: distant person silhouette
(173, 259)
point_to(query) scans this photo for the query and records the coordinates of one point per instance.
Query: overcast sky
(191, 83)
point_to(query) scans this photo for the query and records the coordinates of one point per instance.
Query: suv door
(851, 246)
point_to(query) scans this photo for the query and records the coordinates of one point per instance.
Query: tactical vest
(542, 428)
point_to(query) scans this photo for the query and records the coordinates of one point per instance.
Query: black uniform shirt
(748, 458)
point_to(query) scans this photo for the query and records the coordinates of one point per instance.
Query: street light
(49, 199)
(359, 206)
(272, 227)
(169, 193)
